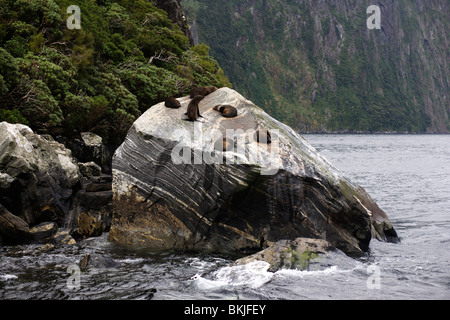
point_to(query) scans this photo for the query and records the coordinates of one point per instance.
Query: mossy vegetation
(126, 57)
(294, 259)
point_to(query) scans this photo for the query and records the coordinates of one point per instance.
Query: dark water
(407, 175)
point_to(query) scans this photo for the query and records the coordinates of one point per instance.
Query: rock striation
(173, 188)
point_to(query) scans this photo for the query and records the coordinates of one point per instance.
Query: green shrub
(126, 57)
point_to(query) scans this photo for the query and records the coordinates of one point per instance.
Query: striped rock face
(211, 186)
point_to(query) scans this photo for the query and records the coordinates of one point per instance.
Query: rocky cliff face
(177, 185)
(175, 13)
(45, 194)
(316, 65)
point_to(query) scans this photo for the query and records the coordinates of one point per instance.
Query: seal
(193, 111)
(224, 145)
(263, 136)
(226, 110)
(172, 103)
(202, 91)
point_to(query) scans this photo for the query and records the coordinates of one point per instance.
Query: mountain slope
(316, 66)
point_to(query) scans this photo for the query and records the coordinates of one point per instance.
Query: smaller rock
(97, 262)
(63, 237)
(300, 254)
(90, 169)
(85, 261)
(12, 228)
(5, 180)
(89, 147)
(91, 139)
(95, 200)
(97, 187)
(43, 231)
(46, 247)
(67, 162)
(89, 225)
(104, 178)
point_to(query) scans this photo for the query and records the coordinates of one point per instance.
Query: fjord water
(407, 175)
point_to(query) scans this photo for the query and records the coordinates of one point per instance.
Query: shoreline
(375, 133)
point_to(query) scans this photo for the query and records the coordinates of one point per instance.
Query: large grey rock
(37, 175)
(257, 196)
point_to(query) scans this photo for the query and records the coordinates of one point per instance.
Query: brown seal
(193, 111)
(224, 144)
(263, 136)
(226, 110)
(172, 103)
(202, 91)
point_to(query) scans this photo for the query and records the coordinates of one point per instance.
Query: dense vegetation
(126, 57)
(316, 66)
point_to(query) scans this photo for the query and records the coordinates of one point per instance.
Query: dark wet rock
(63, 237)
(97, 187)
(12, 228)
(299, 254)
(43, 231)
(281, 191)
(90, 225)
(91, 212)
(90, 169)
(46, 247)
(102, 179)
(95, 200)
(97, 261)
(89, 147)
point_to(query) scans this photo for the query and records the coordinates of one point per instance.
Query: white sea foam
(253, 275)
(6, 277)
(309, 273)
(131, 261)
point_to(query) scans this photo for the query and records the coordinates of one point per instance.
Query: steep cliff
(175, 13)
(318, 67)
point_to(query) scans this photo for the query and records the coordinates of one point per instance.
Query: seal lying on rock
(202, 91)
(226, 110)
(172, 103)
